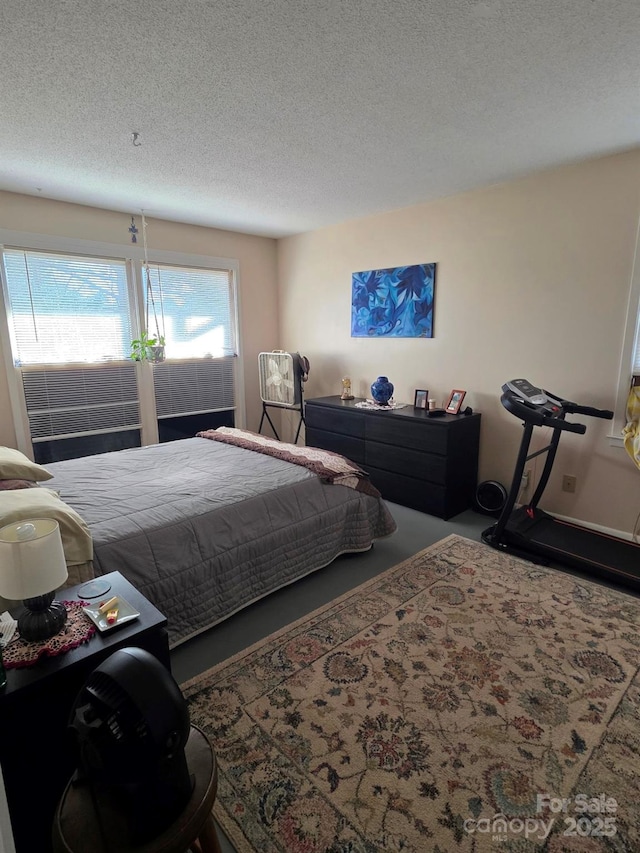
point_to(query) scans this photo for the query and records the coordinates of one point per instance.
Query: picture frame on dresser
(455, 401)
(420, 399)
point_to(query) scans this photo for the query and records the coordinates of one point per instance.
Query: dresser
(427, 463)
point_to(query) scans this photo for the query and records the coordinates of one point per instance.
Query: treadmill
(530, 532)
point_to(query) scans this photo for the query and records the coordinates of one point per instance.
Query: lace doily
(371, 404)
(77, 630)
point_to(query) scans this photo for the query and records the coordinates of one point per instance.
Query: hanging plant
(157, 351)
(146, 347)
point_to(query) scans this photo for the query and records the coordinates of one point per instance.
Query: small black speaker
(491, 497)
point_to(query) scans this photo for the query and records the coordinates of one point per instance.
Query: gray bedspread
(203, 529)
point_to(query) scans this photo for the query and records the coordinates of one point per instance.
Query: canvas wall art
(393, 303)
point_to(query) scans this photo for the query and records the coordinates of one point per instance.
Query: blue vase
(382, 390)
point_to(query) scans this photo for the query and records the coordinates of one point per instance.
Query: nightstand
(36, 751)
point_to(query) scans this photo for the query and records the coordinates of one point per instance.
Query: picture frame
(455, 401)
(420, 400)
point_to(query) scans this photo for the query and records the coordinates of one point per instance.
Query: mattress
(203, 529)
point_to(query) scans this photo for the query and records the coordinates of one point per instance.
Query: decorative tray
(126, 613)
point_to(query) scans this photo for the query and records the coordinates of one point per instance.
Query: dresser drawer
(346, 445)
(346, 422)
(418, 435)
(408, 491)
(411, 463)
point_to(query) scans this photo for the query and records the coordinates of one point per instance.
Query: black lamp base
(42, 618)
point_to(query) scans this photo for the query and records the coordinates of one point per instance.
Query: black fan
(491, 496)
(131, 724)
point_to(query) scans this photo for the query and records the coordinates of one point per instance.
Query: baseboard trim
(599, 528)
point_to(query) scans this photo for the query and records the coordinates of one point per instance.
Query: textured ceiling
(280, 116)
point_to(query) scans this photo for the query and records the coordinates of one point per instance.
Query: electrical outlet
(568, 483)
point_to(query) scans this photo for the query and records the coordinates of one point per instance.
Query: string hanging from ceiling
(150, 298)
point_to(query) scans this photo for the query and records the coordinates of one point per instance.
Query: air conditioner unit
(281, 377)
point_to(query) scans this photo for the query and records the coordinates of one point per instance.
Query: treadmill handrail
(577, 409)
(533, 415)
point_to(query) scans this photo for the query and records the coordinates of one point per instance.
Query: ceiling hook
(135, 137)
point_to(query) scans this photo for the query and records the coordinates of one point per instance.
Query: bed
(204, 527)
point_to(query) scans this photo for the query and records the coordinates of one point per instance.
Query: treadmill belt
(597, 549)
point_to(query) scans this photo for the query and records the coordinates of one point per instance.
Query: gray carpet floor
(415, 532)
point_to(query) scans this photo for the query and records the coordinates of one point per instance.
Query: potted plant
(147, 348)
(157, 349)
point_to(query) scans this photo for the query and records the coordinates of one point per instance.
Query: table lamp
(32, 567)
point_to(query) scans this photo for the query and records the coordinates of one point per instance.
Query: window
(630, 355)
(71, 319)
(193, 309)
(67, 308)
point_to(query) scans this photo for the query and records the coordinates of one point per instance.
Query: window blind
(190, 387)
(67, 308)
(62, 403)
(193, 309)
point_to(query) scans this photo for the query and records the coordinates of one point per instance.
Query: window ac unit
(281, 377)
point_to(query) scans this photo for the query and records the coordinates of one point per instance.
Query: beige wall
(256, 256)
(532, 281)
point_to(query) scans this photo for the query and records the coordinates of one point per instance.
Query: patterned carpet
(464, 700)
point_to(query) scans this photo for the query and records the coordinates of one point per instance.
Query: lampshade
(32, 561)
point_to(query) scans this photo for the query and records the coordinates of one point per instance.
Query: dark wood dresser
(427, 463)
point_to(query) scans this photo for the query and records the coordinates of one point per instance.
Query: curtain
(631, 432)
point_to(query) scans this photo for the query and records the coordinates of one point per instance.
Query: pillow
(15, 465)
(45, 503)
(11, 485)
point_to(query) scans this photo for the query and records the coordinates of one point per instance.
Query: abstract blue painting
(393, 303)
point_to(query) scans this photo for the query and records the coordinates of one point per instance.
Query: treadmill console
(521, 397)
(526, 391)
(542, 408)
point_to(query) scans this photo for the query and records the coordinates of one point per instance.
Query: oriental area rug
(464, 700)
